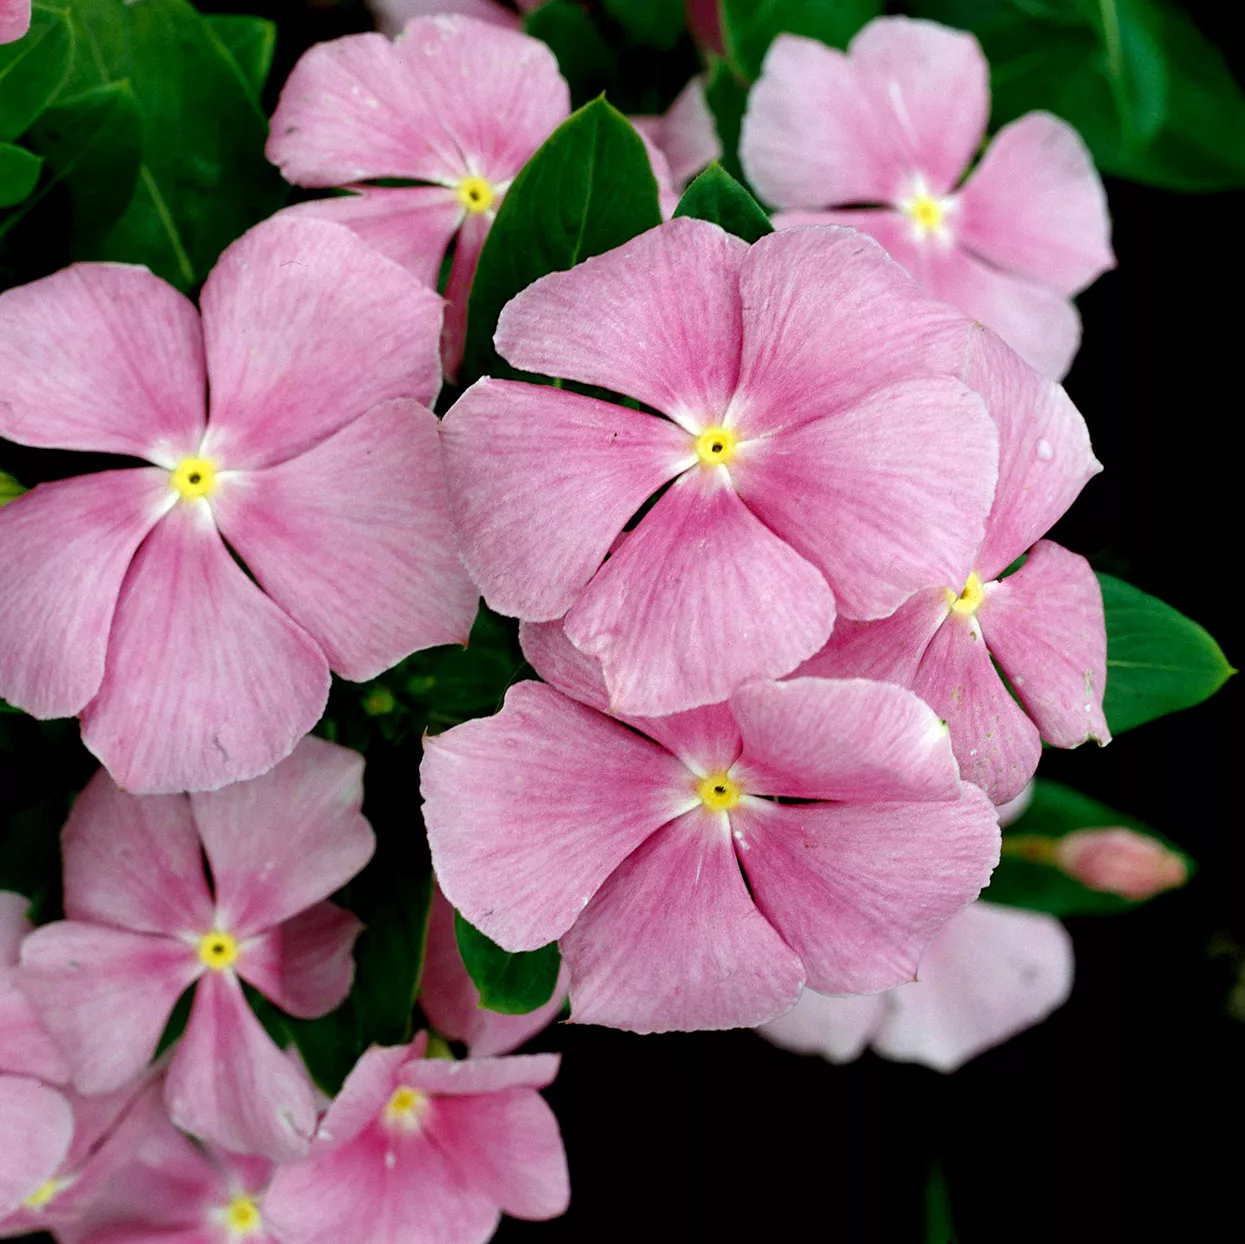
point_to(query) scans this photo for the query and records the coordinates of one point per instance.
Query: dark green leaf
(655, 22)
(1158, 661)
(588, 189)
(251, 42)
(30, 854)
(33, 70)
(715, 195)
(586, 60)
(10, 489)
(19, 174)
(750, 26)
(728, 99)
(512, 984)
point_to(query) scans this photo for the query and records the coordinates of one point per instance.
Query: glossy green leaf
(588, 189)
(655, 22)
(251, 42)
(715, 195)
(510, 983)
(10, 489)
(19, 174)
(750, 26)
(33, 70)
(1158, 661)
(586, 60)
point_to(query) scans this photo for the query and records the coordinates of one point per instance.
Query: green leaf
(19, 174)
(655, 22)
(586, 60)
(715, 195)
(33, 70)
(727, 97)
(510, 983)
(10, 490)
(251, 42)
(1158, 661)
(588, 189)
(750, 26)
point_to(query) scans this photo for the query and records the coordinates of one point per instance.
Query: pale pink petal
(134, 863)
(1120, 861)
(392, 15)
(471, 238)
(25, 1048)
(1035, 206)
(687, 133)
(104, 995)
(353, 539)
(658, 319)
(229, 1084)
(38, 1126)
(863, 493)
(1044, 624)
(65, 548)
(306, 328)
(990, 973)
(285, 840)
(412, 225)
(674, 942)
(14, 19)
(542, 481)
(472, 1076)
(667, 192)
(521, 830)
(562, 665)
(304, 965)
(836, 1028)
(890, 228)
(700, 599)
(207, 681)
(859, 890)
(14, 925)
(1045, 458)
(363, 1096)
(337, 1198)
(996, 745)
(104, 357)
(820, 738)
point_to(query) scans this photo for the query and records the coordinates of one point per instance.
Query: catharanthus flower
(1042, 625)
(1120, 861)
(422, 1150)
(883, 134)
(683, 894)
(456, 104)
(14, 19)
(143, 925)
(450, 1000)
(681, 142)
(811, 418)
(990, 973)
(119, 598)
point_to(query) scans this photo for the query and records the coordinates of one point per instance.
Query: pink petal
(65, 548)
(14, 926)
(657, 319)
(1044, 624)
(562, 665)
(667, 194)
(700, 599)
(38, 1126)
(392, 15)
(286, 840)
(686, 133)
(542, 481)
(338, 1198)
(25, 1048)
(353, 539)
(990, 973)
(836, 1028)
(104, 995)
(103, 357)
(14, 19)
(473, 1076)
(306, 964)
(863, 493)
(229, 1084)
(134, 863)
(363, 1096)
(1045, 458)
(817, 738)
(471, 238)
(207, 681)
(1035, 206)
(859, 890)
(521, 829)
(307, 328)
(673, 940)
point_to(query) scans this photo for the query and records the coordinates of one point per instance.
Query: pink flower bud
(1121, 861)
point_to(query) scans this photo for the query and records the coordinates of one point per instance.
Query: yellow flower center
(718, 793)
(405, 1108)
(44, 1193)
(716, 446)
(242, 1217)
(969, 600)
(927, 213)
(218, 950)
(193, 477)
(475, 194)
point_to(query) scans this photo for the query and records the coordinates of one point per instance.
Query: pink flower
(682, 896)
(990, 973)
(14, 19)
(813, 416)
(25, 1048)
(426, 1151)
(1043, 624)
(142, 926)
(680, 142)
(1120, 861)
(455, 103)
(119, 599)
(891, 126)
(450, 1000)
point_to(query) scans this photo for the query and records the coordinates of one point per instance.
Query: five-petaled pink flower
(1043, 624)
(419, 1150)
(685, 896)
(457, 104)
(811, 418)
(884, 132)
(119, 598)
(142, 925)
(14, 19)
(990, 973)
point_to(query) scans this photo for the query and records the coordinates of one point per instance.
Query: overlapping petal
(686, 133)
(38, 1128)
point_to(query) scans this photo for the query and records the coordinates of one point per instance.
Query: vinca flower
(14, 19)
